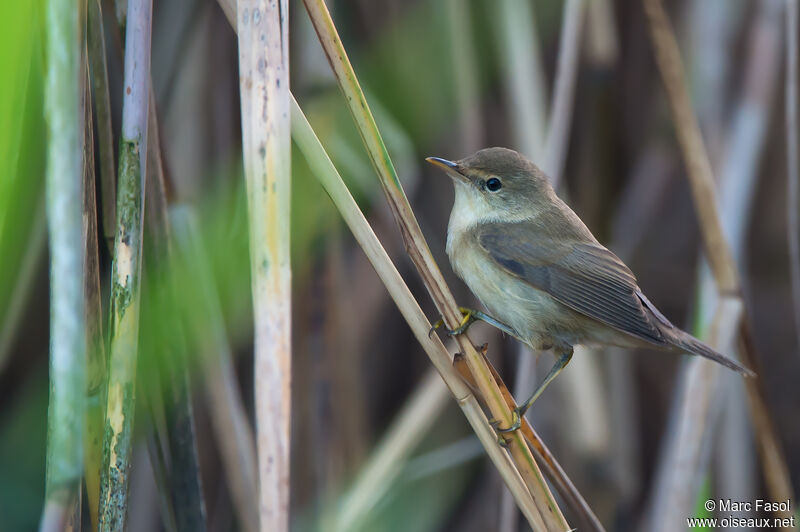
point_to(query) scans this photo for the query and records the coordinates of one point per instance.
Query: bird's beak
(451, 168)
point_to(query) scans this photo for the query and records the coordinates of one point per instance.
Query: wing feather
(584, 276)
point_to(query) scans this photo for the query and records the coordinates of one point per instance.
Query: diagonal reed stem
(420, 255)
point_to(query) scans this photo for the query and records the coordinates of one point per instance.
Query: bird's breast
(537, 318)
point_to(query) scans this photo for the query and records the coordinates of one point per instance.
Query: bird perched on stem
(539, 271)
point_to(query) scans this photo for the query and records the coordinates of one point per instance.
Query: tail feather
(696, 347)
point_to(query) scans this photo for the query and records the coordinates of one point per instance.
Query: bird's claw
(469, 316)
(502, 439)
(516, 422)
(438, 323)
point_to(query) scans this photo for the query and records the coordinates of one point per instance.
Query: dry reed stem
(65, 416)
(263, 28)
(324, 170)
(126, 270)
(792, 162)
(420, 255)
(717, 250)
(698, 166)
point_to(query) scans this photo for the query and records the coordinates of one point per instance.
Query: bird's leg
(469, 316)
(560, 364)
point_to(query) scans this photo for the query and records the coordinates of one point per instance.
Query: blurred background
(444, 78)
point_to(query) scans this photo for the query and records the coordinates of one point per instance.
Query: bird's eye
(493, 184)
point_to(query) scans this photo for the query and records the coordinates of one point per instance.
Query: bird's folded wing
(584, 276)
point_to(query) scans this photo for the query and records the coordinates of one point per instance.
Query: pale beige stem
(264, 85)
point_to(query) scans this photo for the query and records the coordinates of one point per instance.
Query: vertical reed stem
(64, 216)
(264, 85)
(126, 270)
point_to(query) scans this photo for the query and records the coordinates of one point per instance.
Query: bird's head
(497, 184)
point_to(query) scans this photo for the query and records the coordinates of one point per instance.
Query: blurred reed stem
(93, 316)
(185, 485)
(98, 59)
(376, 476)
(723, 267)
(232, 430)
(792, 160)
(698, 165)
(65, 419)
(465, 75)
(264, 85)
(126, 270)
(602, 35)
(523, 75)
(422, 258)
(562, 102)
(23, 284)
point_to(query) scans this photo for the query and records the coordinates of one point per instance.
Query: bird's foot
(516, 422)
(470, 316)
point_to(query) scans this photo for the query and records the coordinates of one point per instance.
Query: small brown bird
(537, 269)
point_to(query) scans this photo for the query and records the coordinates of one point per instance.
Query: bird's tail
(694, 346)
